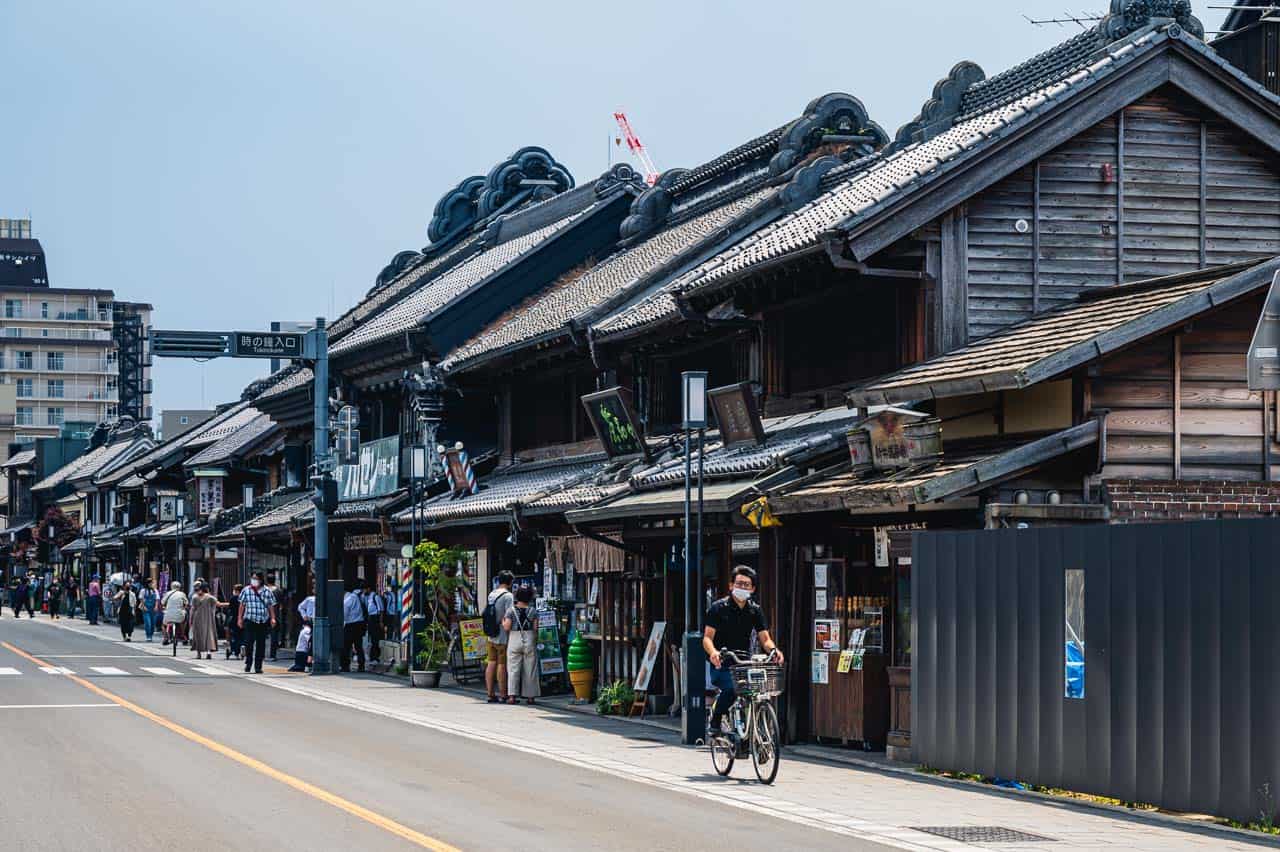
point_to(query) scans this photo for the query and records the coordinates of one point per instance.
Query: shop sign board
(737, 414)
(650, 659)
(549, 660)
(376, 474)
(610, 414)
(363, 541)
(475, 645)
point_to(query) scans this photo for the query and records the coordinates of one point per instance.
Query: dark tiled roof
(438, 292)
(551, 310)
(21, 458)
(1058, 340)
(205, 433)
(952, 474)
(521, 485)
(231, 446)
(95, 460)
(400, 286)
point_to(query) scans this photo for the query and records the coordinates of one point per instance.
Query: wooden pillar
(1177, 405)
(953, 295)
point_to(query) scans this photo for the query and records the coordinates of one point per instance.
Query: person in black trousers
(257, 615)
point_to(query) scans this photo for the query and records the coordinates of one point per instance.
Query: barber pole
(406, 601)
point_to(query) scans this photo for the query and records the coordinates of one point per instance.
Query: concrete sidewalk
(889, 806)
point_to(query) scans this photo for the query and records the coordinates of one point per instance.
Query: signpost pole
(321, 643)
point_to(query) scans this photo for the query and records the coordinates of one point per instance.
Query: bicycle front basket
(758, 681)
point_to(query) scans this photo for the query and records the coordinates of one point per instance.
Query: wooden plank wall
(1181, 193)
(1193, 417)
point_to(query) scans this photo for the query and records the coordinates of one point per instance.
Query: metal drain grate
(983, 834)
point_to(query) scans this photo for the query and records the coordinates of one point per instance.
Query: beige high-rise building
(61, 348)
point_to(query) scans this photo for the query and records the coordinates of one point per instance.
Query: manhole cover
(983, 834)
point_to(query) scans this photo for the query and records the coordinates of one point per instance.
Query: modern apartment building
(61, 349)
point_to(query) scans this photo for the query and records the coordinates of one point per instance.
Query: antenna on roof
(1083, 20)
(637, 148)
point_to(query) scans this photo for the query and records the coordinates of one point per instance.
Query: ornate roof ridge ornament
(617, 176)
(835, 116)
(456, 210)
(530, 174)
(1129, 16)
(937, 113)
(651, 207)
(807, 182)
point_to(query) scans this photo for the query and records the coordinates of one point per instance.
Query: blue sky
(235, 163)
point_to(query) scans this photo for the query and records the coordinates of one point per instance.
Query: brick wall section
(1139, 500)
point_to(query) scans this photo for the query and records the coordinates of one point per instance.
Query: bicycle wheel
(765, 742)
(722, 753)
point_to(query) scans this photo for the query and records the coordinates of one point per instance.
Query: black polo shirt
(733, 624)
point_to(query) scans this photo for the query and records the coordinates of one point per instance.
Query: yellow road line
(298, 784)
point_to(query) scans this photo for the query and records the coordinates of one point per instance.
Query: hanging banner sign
(377, 473)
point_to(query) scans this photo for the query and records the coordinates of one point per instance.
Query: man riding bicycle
(730, 621)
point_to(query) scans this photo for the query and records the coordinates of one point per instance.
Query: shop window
(1073, 605)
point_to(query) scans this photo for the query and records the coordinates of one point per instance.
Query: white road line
(56, 670)
(160, 670)
(5, 670)
(54, 706)
(108, 670)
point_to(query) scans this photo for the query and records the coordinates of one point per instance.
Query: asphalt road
(217, 762)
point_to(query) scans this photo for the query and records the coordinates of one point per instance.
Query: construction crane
(637, 148)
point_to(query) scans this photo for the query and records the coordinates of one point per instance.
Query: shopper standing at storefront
(495, 614)
(521, 625)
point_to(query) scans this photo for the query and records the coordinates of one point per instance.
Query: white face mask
(741, 594)
(255, 583)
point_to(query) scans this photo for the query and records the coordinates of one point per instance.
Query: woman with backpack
(521, 625)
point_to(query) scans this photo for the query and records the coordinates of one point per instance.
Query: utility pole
(321, 644)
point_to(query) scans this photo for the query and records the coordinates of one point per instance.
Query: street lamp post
(694, 716)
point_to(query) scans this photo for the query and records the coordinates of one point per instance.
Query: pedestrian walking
(126, 601)
(354, 616)
(204, 618)
(174, 605)
(53, 596)
(521, 624)
(302, 650)
(34, 588)
(494, 616)
(149, 604)
(257, 615)
(93, 602)
(373, 606)
(234, 633)
(17, 595)
(277, 630)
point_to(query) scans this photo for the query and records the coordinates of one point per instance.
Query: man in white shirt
(373, 606)
(354, 615)
(307, 609)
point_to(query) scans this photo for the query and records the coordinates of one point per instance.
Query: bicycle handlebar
(736, 659)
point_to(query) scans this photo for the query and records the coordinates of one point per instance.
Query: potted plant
(438, 568)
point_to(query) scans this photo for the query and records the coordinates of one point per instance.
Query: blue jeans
(149, 624)
(722, 679)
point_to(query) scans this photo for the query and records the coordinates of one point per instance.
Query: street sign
(266, 344)
(189, 344)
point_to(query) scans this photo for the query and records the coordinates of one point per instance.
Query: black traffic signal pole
(313, 347)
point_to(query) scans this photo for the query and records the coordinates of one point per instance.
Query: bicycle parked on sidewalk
(752, 721)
